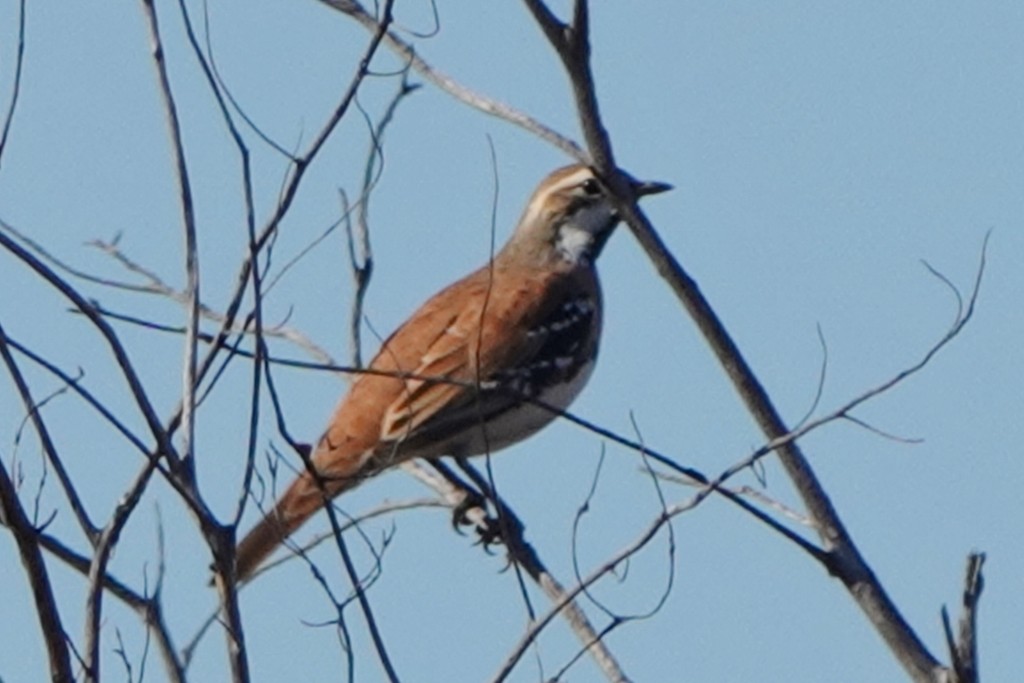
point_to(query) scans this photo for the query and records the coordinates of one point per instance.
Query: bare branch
(585, 508)
(523, 554)
(12, 515)
(386, 508)
(963, 649)
(858, 577)
(189, 378)
(220, 88)
(449, 85)
(360, 252)
(19, 61)
(301, 164)
(32, 408)
(357, 585)
(572, 44)
(607, 567)
(76, 386)
(103, 549)
(164, 446)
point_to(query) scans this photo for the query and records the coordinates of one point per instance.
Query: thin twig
(360, 252)
(103, 549)
(19, 61)
(605, 568)
(149, 609)
(449, 85)
(192, 278)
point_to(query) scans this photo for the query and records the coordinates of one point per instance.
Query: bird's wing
(489, 334)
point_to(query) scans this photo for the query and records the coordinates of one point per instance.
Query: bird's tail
(302, 499)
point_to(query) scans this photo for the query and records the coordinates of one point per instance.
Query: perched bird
(468, 373)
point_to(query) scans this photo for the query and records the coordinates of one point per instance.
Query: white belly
(526, 419)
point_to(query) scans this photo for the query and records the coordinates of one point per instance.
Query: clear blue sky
(820, 152)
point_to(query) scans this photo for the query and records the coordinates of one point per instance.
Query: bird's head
(571, 215)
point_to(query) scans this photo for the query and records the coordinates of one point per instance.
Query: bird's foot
(472, 511)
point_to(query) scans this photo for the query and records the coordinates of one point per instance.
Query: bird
(483, 364)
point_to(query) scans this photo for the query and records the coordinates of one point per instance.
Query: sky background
(820, 152)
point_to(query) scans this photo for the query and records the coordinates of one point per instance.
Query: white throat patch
(574, 243)
(577, 235)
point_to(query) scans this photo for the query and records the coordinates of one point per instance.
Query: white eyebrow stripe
(571, 180)
(540, 197)
(573, 176)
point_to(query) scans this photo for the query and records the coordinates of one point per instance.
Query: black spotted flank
(561, 354)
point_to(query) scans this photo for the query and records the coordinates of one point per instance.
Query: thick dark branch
(572, 44)
(860, 580)
(858, 577)
(963, 648)
(222, 542)
(13, 516)
(554, 29)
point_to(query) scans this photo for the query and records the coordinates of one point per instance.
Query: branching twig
(523, 553)
(164, 446)
(103, 549)
(963, 648)
(360, 252)
(45, 440)
(12, 515)
(460, 92)
(148, 608)
(606, 567)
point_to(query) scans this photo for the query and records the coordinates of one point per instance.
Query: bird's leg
(497, 530)
(472, 510)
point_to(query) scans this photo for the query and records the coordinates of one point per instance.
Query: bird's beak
(642, 188)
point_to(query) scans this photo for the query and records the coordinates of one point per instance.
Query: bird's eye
(590, 187)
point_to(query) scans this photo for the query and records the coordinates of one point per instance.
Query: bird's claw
(488, 529)
(461, 512)
(489, 533)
